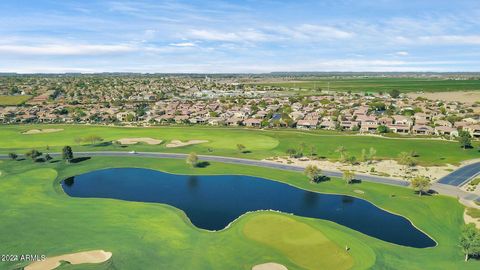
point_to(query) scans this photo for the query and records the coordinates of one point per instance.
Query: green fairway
(297, 241)
(38, 218)
(223, 142)
(13, 100)
(380, 84)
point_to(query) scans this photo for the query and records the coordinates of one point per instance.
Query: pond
(212, 202)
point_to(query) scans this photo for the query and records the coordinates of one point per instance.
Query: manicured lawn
(381, 84)
(37, 217)
(13, 100)
(223, 141)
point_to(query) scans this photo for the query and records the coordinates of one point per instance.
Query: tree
(363, 156)
(313, 173)
(67, 154)
(420, 184)
(371, 154)
(93, 139)
(48, 157)
(348, 176)
(343, 152)
(383, 129)
(33, 154)
(192, 159)
(465, 139)
(394, 93)
(470, 240)
(406, 159)
(12, 156)
(291, 152)
(240, 147)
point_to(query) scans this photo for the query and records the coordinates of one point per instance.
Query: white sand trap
(93, 256)
(178, 143)
(359, 191)
(137, 140)
(269, 266)
(38, 131)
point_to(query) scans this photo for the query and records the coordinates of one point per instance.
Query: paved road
(461, 176)
(242, 161)
(439, 187)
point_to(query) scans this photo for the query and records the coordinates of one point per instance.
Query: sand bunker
(138, 140)
(93, 256)
(38, 131)
(177, 143)
(269, 266)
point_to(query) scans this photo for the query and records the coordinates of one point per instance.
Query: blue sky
(239, 36)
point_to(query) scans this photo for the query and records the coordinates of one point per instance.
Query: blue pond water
(212, 202)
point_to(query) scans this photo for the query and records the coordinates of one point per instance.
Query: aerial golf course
(39, 218)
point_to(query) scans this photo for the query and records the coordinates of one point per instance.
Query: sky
(154, 36)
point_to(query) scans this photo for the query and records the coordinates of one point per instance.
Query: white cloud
(451, 40)
(249, 35)
(65, 49)
(320, 31)
(402, 53)
(183, 44)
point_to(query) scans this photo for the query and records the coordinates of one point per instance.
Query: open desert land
(376, 84)
(468, 97)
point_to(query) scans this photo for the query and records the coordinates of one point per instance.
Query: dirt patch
(38, 131)
(93, 256)
(178, 143)
(387, 168)
(460, 96)
(469, 219)
(269, 266)
(139, 140)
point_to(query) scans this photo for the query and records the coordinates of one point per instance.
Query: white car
(132, 152)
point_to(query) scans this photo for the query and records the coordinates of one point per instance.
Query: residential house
(252, 122)
(422, 130)
(307, 124)
(446, 131)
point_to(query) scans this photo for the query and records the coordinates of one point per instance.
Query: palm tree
(420, 184)
(192, 159)
(312, 172)
(342, 151)
(348, 176)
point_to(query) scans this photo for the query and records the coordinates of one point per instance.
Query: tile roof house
(444, 130)
(252, 122)
(399, 128)
(474, 130)
(307, 124)
(422, 130)
(328, 124)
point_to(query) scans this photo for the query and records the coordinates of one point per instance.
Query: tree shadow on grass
(246, 152)
(203, 164)
(320, 179)
(356, 181)
(102, 144)
(79, 159)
